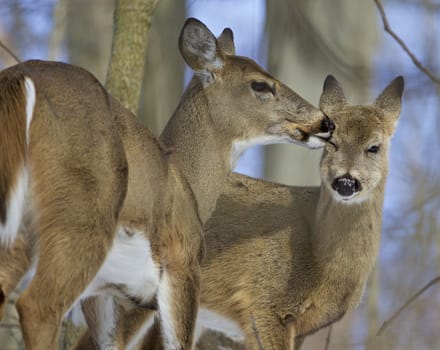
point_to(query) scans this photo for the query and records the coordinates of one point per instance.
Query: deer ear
(198, 47)
(226, 42)
(332, 95)
(390, 100)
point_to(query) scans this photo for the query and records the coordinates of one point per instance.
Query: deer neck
(346, 237)
(203, 154)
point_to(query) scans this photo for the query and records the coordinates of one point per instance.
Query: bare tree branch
(327, 340)
(9, 51)
(404, 306)
(402, 44)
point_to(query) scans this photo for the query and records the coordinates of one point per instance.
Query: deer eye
(373, 149)
(261, 86)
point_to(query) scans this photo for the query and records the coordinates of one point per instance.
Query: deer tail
(17, 101)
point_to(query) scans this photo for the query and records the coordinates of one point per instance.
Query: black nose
(327, 125)
(346, 185)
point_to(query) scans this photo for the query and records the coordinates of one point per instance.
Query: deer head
(356, 157)
(246, 101)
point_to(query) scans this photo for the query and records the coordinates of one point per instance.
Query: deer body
(288, 272)
(116, 213)
(283, 262)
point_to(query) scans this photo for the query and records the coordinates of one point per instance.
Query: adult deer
(283, 262)
(117, 213)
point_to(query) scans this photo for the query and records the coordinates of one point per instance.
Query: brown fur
(15, 261)
(94, 167)
(13, 149)
(296, 259)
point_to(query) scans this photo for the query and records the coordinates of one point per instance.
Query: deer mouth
(311, 140)
(308, 136)
(314, 136)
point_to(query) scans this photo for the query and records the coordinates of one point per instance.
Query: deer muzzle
(346, 186)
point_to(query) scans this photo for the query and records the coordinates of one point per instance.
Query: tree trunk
(132, 21)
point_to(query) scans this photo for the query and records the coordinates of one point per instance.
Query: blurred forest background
(300, 42)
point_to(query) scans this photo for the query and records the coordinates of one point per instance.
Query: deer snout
(346, 185)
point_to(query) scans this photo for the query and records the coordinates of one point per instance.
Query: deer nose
(346, 185)
(327, 125)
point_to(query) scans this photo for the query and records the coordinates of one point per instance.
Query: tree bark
(132, 20)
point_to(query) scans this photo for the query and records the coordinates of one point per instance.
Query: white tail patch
(30, 104)
(16, 203)
(14, 215)
(166, 314)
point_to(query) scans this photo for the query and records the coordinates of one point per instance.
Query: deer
(117, 213)
(282, 261)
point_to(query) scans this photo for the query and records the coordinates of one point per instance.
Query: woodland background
(300, 42)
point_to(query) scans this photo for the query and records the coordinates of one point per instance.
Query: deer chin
(355, 198)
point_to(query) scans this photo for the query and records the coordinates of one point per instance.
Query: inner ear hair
(198, 47)
(390, 100)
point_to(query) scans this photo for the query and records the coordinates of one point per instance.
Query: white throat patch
(239, 146)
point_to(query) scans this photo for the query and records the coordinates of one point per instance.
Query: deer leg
(178, 298)
(15, 261)
(103, 317)
(119, 330)
(174, 324)
(299, 340)
(153, 339)
(264, 331)
(134, 324)
(68, 260)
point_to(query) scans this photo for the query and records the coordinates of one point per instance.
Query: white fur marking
(106, 323)
(30, 104)
(130, 263)
(324, 135)
(315, 142)
(166, 314)
(239, 146)
(134, 342)
(8, 231)
(207, 319)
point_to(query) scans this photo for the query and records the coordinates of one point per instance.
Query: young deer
(283, 262)
(117, 214)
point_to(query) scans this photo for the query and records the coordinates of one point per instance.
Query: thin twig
(257, 335)
(402, 44)
(9, 325)
(404, 306)
(9, 51)
(329, 335)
